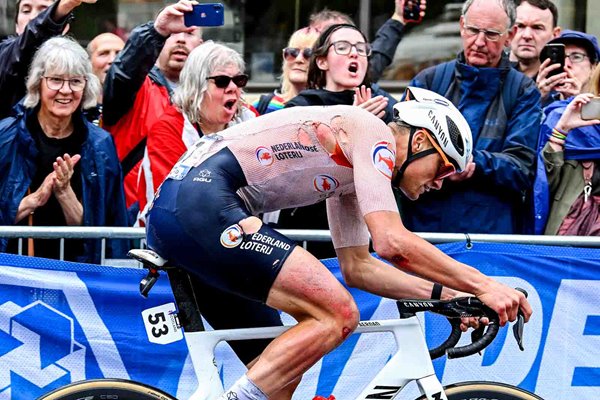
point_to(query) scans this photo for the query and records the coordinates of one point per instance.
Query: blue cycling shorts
(194, 223)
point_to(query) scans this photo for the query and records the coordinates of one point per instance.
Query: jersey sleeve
(346, 222)
(373, 157)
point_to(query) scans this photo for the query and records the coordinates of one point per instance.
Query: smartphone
(412, 11)
(206, 14)
(591, 110)
(556, 53)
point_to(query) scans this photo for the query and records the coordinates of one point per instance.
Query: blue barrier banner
(562, 340)
(62, 322)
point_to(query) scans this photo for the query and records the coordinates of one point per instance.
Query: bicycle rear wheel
(107, 389)
(486, 390)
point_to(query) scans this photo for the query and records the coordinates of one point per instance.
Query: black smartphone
(556, 53)
(412, 11)
(591, 110)
(207, 14)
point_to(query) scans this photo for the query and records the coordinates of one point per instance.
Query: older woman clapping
(55, 167)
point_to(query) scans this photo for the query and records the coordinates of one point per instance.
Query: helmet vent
(455, 136)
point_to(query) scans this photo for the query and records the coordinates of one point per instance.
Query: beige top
(300, 156)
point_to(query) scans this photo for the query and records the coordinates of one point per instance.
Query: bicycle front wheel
(107, 389)
(486, 390)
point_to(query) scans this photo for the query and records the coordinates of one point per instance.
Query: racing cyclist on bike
(204, 219)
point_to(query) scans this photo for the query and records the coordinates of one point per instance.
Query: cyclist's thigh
(223, 310)
(305, 286)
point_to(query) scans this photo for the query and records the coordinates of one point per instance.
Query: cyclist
(203, 219)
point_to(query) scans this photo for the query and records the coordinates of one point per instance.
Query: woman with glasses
(337, 74)
(581, 56)
(207, 100)
(296, 57)
(56, 168)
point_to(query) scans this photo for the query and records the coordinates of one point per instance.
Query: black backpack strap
(133, 157)
(263, 102)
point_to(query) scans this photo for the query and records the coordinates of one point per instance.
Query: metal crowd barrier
(103, 233)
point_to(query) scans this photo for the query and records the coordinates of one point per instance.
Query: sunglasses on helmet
(447, 168)
(222, 81)
(291, 53)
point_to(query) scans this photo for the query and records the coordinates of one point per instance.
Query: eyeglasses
(56, 83)
(576, 57)
(291, 53)
(447, 168)
(222, 81)
(343, 48)
(490, 34)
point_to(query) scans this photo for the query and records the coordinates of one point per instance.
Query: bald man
(102, 50)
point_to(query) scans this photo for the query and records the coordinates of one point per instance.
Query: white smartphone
(591, 110)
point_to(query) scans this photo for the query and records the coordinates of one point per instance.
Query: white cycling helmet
(426, 109)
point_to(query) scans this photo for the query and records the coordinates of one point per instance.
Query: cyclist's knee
(250, 225)
(346, 316)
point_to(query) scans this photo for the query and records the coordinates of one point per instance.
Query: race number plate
(162, 325)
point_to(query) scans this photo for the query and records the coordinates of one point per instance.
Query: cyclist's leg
(326, 315)
(225, 310)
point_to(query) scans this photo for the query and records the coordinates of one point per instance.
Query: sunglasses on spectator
(222, 81)
(490, 34)
(447, 168)
(291, 53)
(343, 48)
(576, 57)
(57, 83)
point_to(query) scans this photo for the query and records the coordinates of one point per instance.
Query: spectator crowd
(88, 135)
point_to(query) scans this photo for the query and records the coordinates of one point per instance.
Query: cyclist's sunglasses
(291, 53)
(447, 168)
(222, 81)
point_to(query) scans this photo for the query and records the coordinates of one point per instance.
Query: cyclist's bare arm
(407, 251)
(361, 270)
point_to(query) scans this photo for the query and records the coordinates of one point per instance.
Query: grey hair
(200, 64)
(61, 55)
(508, 6)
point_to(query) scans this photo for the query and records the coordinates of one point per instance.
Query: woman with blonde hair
(296, 57)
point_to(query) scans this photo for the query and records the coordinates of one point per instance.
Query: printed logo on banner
(264, 156)
(383, 158)
(232, 236)
(40, 354)
(162, 324)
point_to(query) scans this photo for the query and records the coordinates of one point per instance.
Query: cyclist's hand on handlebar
(472, 322)
(506, 302)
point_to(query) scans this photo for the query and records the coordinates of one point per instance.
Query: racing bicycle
(410, 362)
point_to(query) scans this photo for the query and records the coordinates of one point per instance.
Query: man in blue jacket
(502, 107)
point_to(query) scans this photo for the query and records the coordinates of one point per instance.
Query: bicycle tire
(486, 390)
(121, 389)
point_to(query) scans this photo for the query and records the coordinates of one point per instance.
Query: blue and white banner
(62, 322)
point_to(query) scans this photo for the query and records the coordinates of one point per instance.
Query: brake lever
(519, 325)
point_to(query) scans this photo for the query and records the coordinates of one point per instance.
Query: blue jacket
(582, 144)
(505, 121)
(102, 199)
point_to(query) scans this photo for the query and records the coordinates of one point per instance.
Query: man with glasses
(581, 56)
(502, 107)
(139, 83)
(35, 22)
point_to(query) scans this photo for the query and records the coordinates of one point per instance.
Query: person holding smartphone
(581, 56)
(568, 163)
